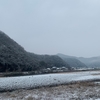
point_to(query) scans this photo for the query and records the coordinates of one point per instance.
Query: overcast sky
(71, 27)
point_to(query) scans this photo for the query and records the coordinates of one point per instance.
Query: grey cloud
(53, 26)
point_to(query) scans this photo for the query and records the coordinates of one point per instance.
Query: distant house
(54, 68)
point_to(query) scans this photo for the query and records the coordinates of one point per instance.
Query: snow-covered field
(78, 91)
(34, 81)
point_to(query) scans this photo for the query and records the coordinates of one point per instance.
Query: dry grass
(76, 91)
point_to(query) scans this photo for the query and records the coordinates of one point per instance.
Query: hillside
(49, 60)
(13, 57)
(72, 61)
(93, 62)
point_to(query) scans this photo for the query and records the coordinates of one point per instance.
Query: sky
(71, 27)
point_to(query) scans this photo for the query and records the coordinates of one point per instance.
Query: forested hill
(49, 60)
(92, 62)
(13, 57)
(81, 62)
(72, 61)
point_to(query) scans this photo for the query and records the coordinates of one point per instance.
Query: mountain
(49, 60)
(72, 61)
(13, 57)
(92, 62)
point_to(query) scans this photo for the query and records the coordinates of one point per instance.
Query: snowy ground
(13, 83)
(76, 91)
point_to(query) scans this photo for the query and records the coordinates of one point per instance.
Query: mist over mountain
(13, 57)
(72, 61)
(92, 62)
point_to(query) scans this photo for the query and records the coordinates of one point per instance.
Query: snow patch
(26, 82)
